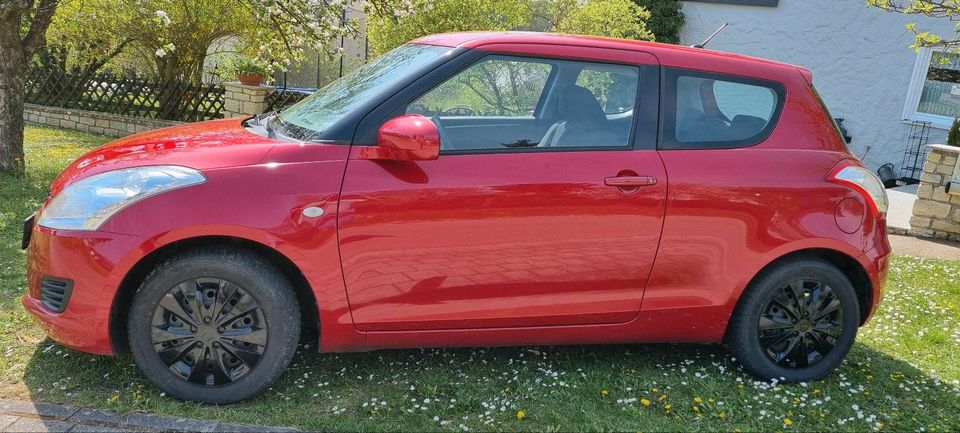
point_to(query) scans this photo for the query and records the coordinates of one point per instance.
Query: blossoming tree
(175, 35)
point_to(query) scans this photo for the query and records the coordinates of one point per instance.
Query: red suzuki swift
(473, 190)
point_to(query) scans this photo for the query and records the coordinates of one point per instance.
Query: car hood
(203, 145)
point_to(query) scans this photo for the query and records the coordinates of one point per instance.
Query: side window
(496, 87)
(614, 87)
(716, 111)
(507, 103)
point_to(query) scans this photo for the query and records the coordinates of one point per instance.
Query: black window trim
(668, 110)
(643, 137)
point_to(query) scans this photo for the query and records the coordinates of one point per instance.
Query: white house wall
(860, 58)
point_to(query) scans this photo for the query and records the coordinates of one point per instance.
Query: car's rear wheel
(215, 326)
(796, 321)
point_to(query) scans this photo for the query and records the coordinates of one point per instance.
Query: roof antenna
(710, 38)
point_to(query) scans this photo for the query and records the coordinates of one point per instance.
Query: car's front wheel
(216, 325)
(796, 321)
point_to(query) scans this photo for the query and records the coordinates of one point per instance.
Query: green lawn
(902, 375)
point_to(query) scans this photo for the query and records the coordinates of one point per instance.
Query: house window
(934, 94)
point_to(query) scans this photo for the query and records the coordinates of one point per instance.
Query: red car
(473, 189)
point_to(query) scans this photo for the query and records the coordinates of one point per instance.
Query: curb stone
(23, 416)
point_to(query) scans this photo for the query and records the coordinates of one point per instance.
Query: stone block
(102, 123)
(940, 194)
(929, 208)
(16, 407)
(949, 160)
(945, 226)
(143, 422)
(231, 106)
(925, 190)
(38, 425)
(918, 222)
(250, 108)
(934, 179)
(945, 169)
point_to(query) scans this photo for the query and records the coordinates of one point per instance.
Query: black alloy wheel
(209, 331)
(214, 325)
(796, 321)
(800, 324)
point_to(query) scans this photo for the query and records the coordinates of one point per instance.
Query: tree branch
(36, 36)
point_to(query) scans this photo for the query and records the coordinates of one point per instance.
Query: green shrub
(666, 19)
(953, 137)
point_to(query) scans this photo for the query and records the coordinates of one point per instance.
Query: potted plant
(249, 72)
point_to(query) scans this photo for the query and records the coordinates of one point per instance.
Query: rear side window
(711, 111)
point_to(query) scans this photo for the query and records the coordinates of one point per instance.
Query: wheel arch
(309, 311)
(845, 263)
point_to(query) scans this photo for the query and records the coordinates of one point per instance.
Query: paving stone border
(24, 416)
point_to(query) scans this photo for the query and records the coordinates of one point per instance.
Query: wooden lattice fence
(282, 98)
(128, 96)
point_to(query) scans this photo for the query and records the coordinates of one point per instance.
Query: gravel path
(919, 247)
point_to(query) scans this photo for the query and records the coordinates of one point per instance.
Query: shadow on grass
(560, 384)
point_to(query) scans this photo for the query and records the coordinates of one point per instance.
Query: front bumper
(93, 261)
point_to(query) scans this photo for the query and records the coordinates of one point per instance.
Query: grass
(903, 374)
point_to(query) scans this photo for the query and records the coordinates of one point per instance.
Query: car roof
(668, 55)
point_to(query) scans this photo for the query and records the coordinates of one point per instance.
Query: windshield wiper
(266, 120)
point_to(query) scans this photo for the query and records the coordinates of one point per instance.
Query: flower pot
(251, 79)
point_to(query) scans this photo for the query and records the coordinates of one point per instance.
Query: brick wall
(112, 125)
(936, 213)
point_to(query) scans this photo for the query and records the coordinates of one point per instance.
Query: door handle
(628, 181)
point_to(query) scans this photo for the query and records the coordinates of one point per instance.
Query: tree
(666, 19)
(23, 24)
(615, 18)
(169, 39)
(949, 9)
(385, 32)
(280, 33)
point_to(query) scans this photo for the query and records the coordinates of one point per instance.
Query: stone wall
(243, 100)
(936, 213)
(112, 125)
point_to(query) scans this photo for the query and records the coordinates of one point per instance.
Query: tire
(250, 335)
(794, 345)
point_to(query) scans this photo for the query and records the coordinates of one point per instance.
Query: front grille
(55, 293)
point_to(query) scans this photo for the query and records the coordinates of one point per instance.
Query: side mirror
(411, 137)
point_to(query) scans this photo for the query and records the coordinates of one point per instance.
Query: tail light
(864, 182)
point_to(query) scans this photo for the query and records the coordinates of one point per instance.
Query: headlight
(88, 203)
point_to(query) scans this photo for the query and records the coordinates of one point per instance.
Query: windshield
(321, 110)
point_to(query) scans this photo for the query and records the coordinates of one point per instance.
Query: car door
(531, 216)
